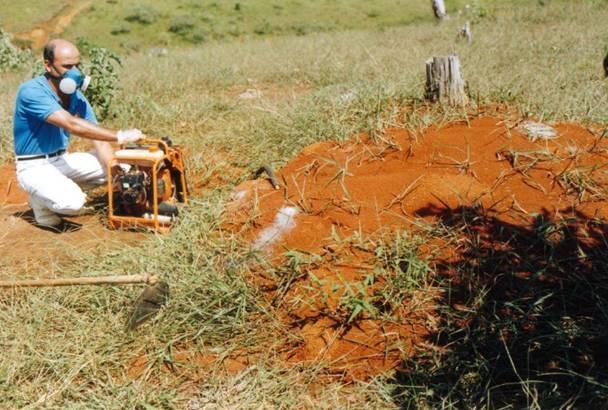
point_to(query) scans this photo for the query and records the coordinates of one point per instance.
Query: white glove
(126, 136)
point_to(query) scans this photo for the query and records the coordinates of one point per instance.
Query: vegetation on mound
(67, 347)
(523, 318)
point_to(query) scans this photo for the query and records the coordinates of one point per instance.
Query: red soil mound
(368, 187)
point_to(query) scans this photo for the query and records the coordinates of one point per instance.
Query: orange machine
(146, 182)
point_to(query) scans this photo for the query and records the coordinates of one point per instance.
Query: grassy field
(136, 25)
(18, 17)
(67, 348)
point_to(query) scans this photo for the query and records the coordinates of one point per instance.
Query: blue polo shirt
(36, 100)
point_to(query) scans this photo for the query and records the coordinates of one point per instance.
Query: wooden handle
(93, 280)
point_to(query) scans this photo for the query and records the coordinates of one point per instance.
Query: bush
(476, 11)
(11, 58)
(37, 68)
(181, 24)
(104, 80)
(120, 29)
(199, 36)
(264, 28)
(142, 14)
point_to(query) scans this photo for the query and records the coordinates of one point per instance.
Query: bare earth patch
(28, 250)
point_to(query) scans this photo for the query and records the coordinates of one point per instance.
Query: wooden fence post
(444, 81)
(465, 32)
(439, 9)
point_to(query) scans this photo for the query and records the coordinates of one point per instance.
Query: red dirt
(368, 188)
(191, 365)
(27, 250)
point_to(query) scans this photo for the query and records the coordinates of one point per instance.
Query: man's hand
(126, 136)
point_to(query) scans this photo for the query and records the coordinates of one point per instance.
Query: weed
(340, 175)
(356, 303)
(584, 184)
(298, 265)
(463, 166)
(523, 161)
(399, 198)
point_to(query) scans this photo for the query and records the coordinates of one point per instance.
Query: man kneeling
(48, 109)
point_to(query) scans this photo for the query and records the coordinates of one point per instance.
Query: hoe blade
(148, 303)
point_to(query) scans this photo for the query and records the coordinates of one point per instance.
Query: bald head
(59, 48)
(59, 57)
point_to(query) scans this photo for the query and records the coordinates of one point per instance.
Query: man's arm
(81, 127)
(104, 152)
(101, 136)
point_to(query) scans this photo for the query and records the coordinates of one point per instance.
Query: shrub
(11, 58)
(199, 36)
(120, 29)
(181, 24)
(264, 28)
(476, 11)
(104, 80)
(84, 45)
(37, 68)
(142, 15)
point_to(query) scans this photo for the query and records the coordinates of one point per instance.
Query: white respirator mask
(72, 80)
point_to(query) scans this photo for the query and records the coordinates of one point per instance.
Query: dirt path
(43, 31)
(27, 250)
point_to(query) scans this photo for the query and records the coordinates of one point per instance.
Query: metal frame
(172, 155)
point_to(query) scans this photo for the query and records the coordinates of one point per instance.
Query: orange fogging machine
(146, 183)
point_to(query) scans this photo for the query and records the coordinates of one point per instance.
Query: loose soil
(27, 250)
(371, 187)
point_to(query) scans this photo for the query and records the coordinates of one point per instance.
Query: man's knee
(69, 206)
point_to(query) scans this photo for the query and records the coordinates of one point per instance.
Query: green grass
(68, 346)
(136, 25)
(182, 22)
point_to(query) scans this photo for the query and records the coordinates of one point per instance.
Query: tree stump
(439, 9)
(444, 82)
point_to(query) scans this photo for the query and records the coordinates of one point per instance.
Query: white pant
(53, 183)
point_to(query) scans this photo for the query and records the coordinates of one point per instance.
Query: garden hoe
(147, 304)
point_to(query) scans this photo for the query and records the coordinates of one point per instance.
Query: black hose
(270, 173)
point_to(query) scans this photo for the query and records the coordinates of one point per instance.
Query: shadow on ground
(64, 227)
(524, 316)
